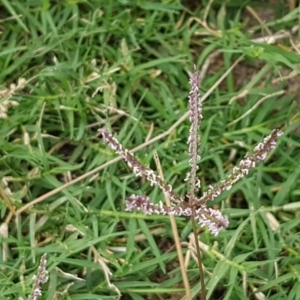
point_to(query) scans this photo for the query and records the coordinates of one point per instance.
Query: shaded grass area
(124, 65)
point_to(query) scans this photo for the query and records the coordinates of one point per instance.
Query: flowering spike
(260, 153)
(41, 278)
(144, 204)
(209, 217)
(194, 137)
(138, 168)
(212, 219)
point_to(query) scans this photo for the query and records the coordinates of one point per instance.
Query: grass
(123, 64)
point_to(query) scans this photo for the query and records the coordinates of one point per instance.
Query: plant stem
(203, 290)
(176, 236)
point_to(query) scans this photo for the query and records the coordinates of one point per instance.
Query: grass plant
(71, 67)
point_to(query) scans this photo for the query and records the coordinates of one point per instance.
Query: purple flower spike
(137, 168)
(209, 217)
(260, 153)
(41, 278)
(194, 137)
(212, 219)
(144, 204)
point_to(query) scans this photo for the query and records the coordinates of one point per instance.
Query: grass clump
(90, 64)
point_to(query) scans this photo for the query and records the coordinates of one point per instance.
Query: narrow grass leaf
(275, 282)
(152, 243)
(233, 277)
(32, 223)
(130, 243)
(15, 14)
(151, 263)
(219, 271)
(157, 62)
(232, 242)
(90, 296)
(286, 188)
(52, 287)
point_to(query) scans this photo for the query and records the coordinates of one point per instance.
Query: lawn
(71, 67)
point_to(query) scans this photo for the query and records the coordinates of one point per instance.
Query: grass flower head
(196, 207)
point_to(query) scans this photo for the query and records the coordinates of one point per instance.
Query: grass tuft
(90, 64)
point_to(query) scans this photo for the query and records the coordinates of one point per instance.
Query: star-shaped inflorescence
(195, 207)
